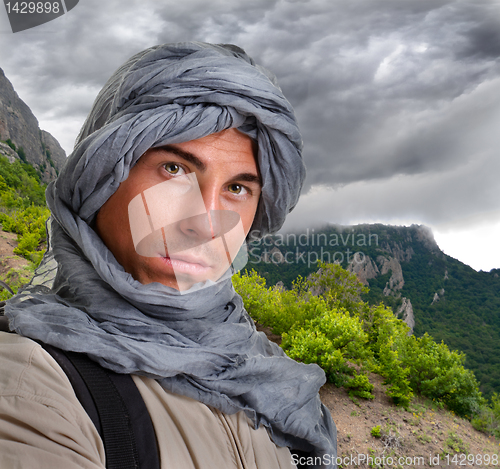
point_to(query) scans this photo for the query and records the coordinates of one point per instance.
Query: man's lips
(187, 264)
(189, 260)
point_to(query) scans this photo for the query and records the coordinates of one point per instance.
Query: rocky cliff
(369, 269)
(20, 128)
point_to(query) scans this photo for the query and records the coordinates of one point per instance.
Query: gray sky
(398, 100)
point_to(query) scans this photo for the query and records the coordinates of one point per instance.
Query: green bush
(11, 144)
(332, 341)
(22, 208)
(395, 373)
(386, 336)
(376, 431)
(439, 373)
(279, 309)
(22, 182)
(338, 287)
(15, 279)
(28, 220)
(487, 418)
(360, 386)
(22, 154)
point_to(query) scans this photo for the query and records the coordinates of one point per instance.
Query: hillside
(405, 269)
(424, 435)
(422, 431)
(21, 138)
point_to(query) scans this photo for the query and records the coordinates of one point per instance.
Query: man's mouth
(186, 263)
(189, 259)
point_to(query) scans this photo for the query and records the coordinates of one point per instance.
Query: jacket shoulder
(42, 423)
(29, 372)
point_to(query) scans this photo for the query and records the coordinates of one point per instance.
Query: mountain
(405, 269)
(22, 138)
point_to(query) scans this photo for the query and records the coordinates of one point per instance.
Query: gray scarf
(201, 344)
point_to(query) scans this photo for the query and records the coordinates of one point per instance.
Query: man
(188, 148)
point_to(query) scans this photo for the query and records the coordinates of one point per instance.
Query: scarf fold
(201, 343)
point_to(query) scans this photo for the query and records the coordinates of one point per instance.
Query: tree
(338, 287)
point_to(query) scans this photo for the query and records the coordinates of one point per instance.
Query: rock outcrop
(396, 281)
(274, 255)
(280, 286)
(368, 269)
(5, 150)
(20, 126)
(365, 270)
(437, 296)
(398, 252)
(405, 312)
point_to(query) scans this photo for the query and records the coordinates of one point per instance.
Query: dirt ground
(12, 267)
(422, 436)
(8, 241)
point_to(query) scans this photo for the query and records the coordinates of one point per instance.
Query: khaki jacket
(44, 426)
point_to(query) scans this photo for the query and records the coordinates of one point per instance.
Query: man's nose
(208, 225)
(203, 227)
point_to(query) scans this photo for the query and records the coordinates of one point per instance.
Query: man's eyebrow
(248, 177)
(185, 155)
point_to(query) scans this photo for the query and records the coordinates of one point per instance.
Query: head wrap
(201, 344)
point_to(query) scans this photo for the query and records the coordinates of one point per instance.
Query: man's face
(224, 167)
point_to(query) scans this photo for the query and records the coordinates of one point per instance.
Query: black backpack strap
(123, 420)
(4, 320)
(79, 386)
(115, 406)
(4, 324)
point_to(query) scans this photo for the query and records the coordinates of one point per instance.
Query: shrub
(360, 386)
(330, 340)
(439, 373)
(22, 154)
(279, 309)
(376, 431)
(486, 419)
(22, 208)
(338, 287)
(395, 373)
(15, 279)
(386, 334)
(11, 144)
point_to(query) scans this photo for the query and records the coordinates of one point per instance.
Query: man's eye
(236, 189)
(173, 168)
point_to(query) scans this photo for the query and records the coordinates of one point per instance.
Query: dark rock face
(57, 153)
(18, 124)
